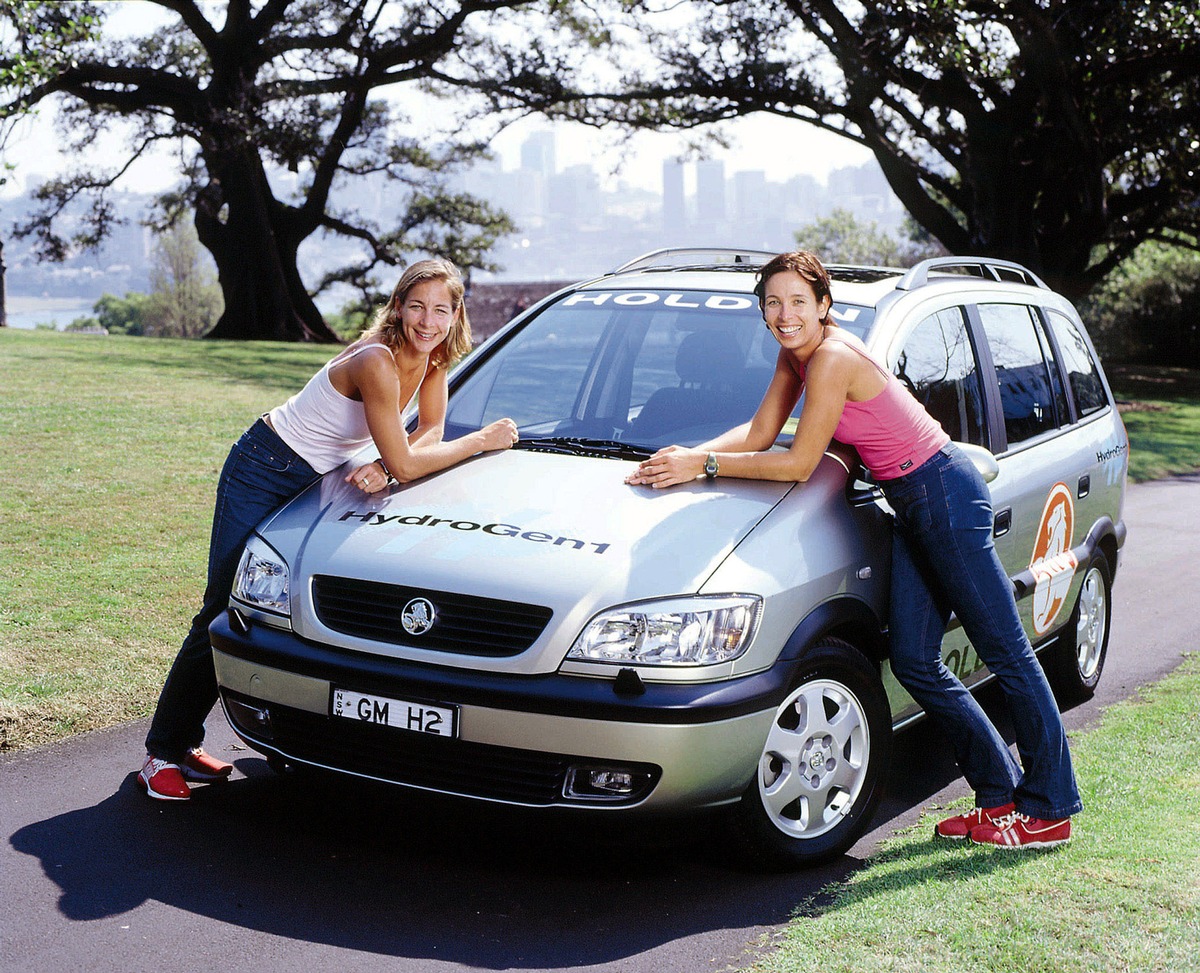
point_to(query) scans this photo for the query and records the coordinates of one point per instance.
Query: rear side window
(1083, 375)
(938, 366)
(1027, 392)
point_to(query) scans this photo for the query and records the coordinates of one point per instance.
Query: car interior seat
(711, 386)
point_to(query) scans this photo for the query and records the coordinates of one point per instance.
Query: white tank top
(323, 426)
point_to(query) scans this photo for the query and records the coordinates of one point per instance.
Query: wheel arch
(847, 618)
(1108, 538)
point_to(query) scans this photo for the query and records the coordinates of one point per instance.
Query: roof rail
(986, 267)
(675, 257)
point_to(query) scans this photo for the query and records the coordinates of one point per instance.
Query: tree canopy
(245, 92)
(1059, 133)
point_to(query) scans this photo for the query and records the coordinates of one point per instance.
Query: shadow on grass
(1136, 382)
(269, 365)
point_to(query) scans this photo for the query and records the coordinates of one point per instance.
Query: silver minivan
(526, 628)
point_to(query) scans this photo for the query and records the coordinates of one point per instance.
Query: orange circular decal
(1053, 562)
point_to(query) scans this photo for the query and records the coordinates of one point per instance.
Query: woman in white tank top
(359, 396)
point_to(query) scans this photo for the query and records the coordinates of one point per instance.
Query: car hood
(563, 532)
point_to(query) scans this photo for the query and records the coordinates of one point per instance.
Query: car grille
(463, 623)
(416, 759)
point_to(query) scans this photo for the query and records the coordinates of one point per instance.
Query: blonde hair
(386, 325)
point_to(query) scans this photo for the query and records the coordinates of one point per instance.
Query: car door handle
(1003, 522)
(1085, 486)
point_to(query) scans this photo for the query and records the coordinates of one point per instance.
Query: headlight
(698, 631)
(262, 579)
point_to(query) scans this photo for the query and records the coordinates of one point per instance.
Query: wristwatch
(710, 466)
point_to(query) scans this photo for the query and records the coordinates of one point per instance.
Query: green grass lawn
(1124, 895)
(109, 454)
(1161, 409)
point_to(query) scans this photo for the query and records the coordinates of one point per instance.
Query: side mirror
(984, 461)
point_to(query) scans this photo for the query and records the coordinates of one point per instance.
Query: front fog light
(249, 717)
(606, 783)
(262, 579)
(696, 631)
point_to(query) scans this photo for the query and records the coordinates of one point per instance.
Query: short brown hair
(803, 262)
(387, 321)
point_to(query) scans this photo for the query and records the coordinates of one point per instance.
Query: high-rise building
(537, 154)
(674, 213)
(575, 193)
(710, 191)
(750, 196)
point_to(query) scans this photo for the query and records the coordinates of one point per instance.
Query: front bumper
(521, 738)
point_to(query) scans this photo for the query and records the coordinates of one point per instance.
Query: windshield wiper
(577, 446)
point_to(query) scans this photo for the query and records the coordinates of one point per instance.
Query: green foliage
(122, 315)
(186, 299)
(842, 238)
(36, 37)
(1148, 309)
(185, 302)
(350, 321)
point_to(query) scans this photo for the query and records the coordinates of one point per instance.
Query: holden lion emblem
(417, 617)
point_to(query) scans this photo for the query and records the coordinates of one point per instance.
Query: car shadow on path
(357, 866)
(367, 867)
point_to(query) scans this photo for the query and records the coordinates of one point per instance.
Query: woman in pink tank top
(357, 397)
(943, 558)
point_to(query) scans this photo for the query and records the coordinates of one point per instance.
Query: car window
(1018, 351)
(938, 366)
(644, 367)
(538, 377)
(1082, 374)
(1062, 411)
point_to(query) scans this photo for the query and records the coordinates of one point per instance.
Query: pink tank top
(891, 431)
(323, 426)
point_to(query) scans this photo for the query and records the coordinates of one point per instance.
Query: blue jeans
(260, 475)
(943, 561)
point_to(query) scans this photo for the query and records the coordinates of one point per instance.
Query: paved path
(267, 874)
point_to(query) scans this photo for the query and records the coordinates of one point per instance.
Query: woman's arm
(379, 387)
(431, 411)
(745, 455)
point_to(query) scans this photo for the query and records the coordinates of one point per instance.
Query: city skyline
(781, 148)
(570, 224)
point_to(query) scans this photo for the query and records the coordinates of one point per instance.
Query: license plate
(400, 713)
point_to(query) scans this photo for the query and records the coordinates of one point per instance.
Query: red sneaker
(1020, 831)
(204, 767)
(163, 780)
(961, 825)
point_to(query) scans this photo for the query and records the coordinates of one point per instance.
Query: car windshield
(645, 368)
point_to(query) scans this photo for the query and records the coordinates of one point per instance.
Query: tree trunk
(254, 242)
(3, 289)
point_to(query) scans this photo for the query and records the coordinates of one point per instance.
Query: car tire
(1077, 658)
(823, 765)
